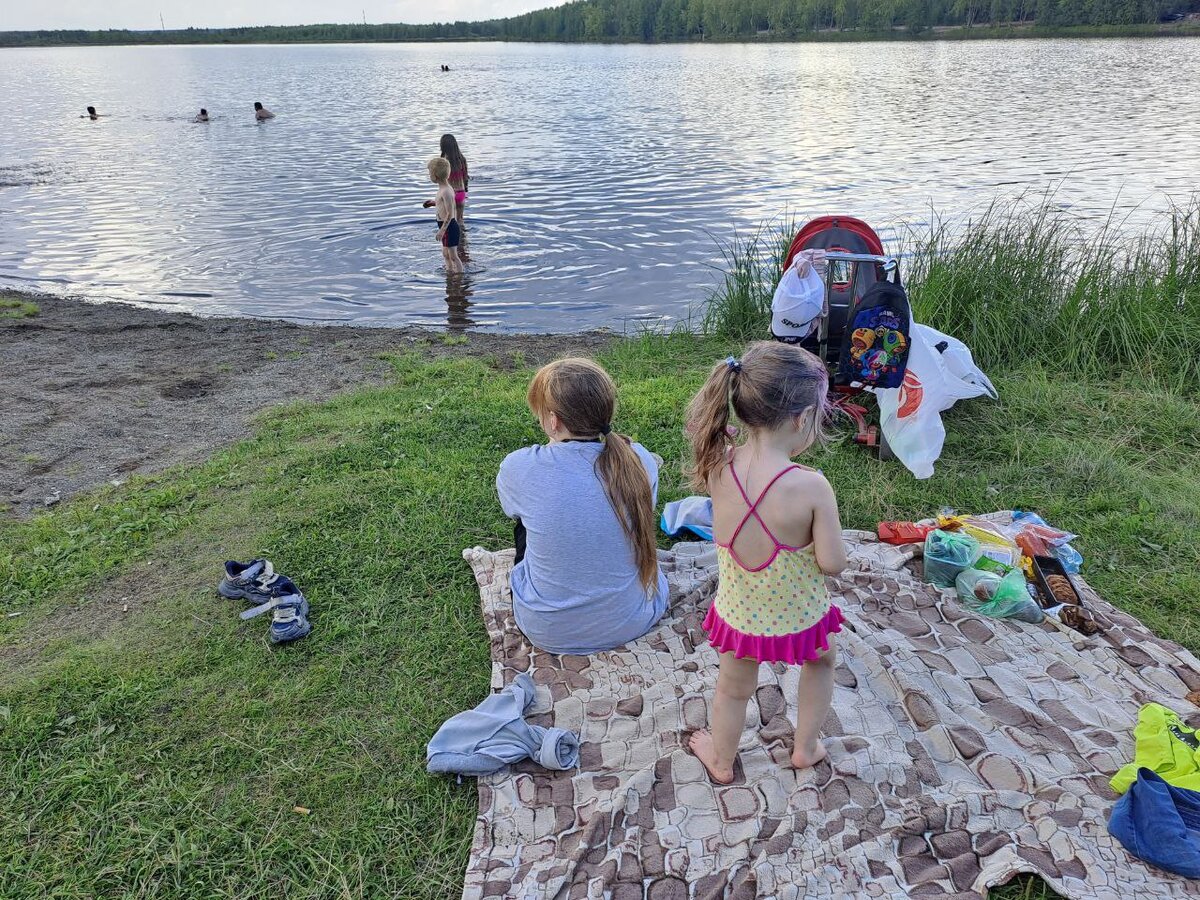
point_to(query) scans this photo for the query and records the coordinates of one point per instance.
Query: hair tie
(734, 363)
(605, 429)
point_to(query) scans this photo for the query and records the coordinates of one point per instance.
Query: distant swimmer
(445, 68)
(92, 114)
(202, 116)
(261, 113)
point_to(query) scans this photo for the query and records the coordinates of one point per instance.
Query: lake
(602, 176)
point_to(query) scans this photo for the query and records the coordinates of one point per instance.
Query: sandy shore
(92, 393)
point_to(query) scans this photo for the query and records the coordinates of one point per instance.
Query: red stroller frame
(850, 245)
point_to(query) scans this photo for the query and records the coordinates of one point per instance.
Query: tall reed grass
(740, 306)
(1022, 285)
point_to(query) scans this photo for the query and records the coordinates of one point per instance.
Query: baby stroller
(856, 261)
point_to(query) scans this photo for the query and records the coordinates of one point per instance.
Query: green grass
(1020, 284)
(740, 307)
(16, 308)
(160, 752)
(1024, 284)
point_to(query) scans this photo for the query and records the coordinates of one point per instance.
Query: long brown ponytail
(584, 398)
(769, 384)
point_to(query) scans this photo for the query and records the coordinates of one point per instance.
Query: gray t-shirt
(577, 589)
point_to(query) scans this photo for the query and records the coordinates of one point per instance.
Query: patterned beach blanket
(962, 750)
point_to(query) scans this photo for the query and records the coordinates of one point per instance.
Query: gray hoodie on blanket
(494, 734)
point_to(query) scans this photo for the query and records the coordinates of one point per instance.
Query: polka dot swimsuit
(776, 612)
(786, 596)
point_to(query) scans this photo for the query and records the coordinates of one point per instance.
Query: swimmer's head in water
(203, 111)
(257, 106)
(439, 169)
(91, 110)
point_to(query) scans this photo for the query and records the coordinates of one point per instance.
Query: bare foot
(701, 744)
(810, 759)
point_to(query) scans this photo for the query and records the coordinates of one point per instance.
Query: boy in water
(261, 113)
(449, 233)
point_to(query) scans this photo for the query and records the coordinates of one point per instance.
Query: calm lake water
(602, 176)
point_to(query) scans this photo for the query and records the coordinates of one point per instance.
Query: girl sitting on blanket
(586, 577)
(778, 534)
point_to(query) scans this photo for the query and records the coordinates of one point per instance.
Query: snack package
(1032, 531)
(901, 533)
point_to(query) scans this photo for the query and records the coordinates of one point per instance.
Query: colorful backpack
(876, 342)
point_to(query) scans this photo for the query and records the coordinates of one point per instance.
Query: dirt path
(91, 393)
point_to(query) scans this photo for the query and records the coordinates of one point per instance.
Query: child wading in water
(459, 178)
(778, 534)
(449, 231)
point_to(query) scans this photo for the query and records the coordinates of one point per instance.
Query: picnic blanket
(962, 750)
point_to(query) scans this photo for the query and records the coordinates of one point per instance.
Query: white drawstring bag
(941, 371)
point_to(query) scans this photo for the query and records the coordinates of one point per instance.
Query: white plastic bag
(799, 297)
(910, 415)
(968, 379)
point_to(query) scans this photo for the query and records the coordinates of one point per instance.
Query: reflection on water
(600, 175)
(459, 290)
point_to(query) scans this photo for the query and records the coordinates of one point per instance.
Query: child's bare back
(445, 203)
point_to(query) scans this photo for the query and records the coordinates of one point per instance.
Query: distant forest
(679, 20)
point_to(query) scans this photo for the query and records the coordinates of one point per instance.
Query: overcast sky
(16, 15)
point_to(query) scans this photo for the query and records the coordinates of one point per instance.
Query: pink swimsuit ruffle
(794, 649)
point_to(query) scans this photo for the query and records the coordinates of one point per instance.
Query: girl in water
(778, 535)
(458, 173)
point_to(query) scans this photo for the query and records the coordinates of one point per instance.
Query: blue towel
(691, 513)
(1160, 824)
(494, 735)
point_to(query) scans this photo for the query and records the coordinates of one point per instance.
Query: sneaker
(295, 601)
(289, 624)
(255, 582)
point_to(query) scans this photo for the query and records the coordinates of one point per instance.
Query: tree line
(675, 20)
(671, 20)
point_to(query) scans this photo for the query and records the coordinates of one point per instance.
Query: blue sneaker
(254, 582)
(257, 582)
(294, 601)
(289, 624)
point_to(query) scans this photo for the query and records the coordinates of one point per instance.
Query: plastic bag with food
(946, 554)
(1036, 537)
(998, 551)
(1001, 597)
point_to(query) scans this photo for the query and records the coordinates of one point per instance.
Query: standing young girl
(459, 178)
(586, 577)
(778, 534)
